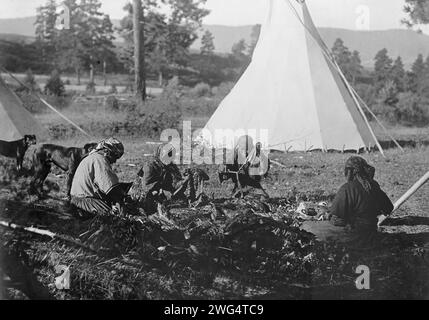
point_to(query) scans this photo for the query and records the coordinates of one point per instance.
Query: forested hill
(405, 43)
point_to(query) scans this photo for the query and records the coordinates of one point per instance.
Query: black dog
(17, 149)
(67, 159)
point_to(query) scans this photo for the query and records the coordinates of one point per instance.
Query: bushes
(158, 114)
(384, 111)
(113, 89)
(90, 88)
(111, 103)
(201, 90)
(29, 83)
(55, 86)
(223, 90)
(412, 110)
(367, 93)
(33, 104)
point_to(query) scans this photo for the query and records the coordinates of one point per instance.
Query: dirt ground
(210, 265)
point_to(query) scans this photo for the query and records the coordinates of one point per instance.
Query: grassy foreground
(400, 267)
(226, 249)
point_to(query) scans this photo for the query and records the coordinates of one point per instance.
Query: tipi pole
(47, 104)
(411, 191)
(331, 59)
(349, 87)
(378, 121)
(406, 196)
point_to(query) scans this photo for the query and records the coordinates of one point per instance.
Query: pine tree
(418, 12)
(46, 34)
(341, 52)
(254, 37)
(356, 67)
(382, 69)
(398, 74)
(54, 85)
(86, 44)
(167, 37)
(239, 49)
(423, 86)
(207, 43)
(416, 74)
(343, 57)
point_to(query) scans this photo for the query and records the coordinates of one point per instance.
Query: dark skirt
(327, 230)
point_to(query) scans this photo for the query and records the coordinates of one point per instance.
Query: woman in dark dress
(356, 206)
(156, 177)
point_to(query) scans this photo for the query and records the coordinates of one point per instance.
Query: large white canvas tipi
(15, 120)
(292, 91)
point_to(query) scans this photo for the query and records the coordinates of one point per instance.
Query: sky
(379, 14)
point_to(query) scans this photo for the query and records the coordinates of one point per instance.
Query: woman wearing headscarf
(250, 165)
(95, 187)
(259, 164)
(360, 200)
(157, 176)
(356, 206)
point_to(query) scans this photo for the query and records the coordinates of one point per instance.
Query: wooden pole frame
(407, 195)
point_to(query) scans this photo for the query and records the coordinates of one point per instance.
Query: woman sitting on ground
(356, 206)
(250, 165)
(158, 179)
(95, 187)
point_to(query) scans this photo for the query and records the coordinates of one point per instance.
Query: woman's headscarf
(357, 168)
(113, 146)
(169, 170)
(165, 151)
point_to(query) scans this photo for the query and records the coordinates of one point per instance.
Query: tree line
(92, 45)
(391, 91)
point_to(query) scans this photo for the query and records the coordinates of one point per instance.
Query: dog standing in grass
(17, 149)
(67, 159)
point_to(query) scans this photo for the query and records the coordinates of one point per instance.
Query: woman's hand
(381, 220)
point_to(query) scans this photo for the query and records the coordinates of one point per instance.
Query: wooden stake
(410, 192)
(406, 196)
(45, 233)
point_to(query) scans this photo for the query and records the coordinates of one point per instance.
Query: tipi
(15, 120)
(292, 91)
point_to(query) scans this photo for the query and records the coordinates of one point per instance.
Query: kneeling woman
(156, 179)
(96, 188)
(355, 207)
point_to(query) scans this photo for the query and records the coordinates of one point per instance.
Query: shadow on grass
(22, 278)
(407, 221)
(404, 143)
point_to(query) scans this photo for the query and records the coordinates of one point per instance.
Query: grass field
(400, 271)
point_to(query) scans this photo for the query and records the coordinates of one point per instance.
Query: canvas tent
(292, 97)
(15, 120)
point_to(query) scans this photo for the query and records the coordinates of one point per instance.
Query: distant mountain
(22, 26)
(15, 38)
(405, 43)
